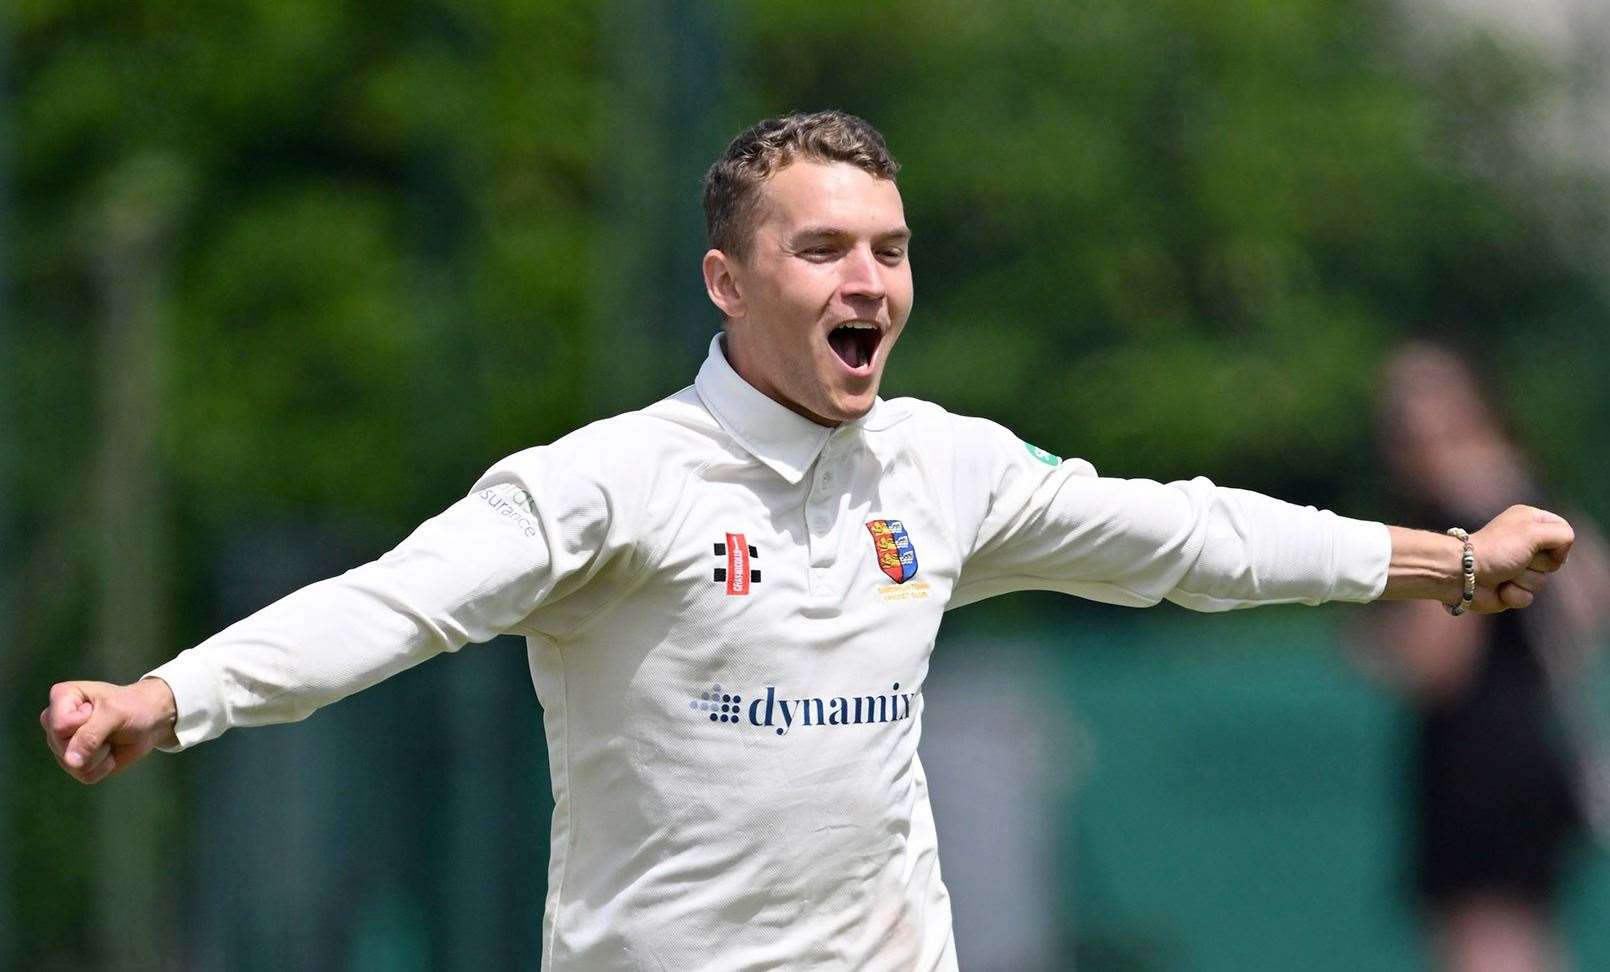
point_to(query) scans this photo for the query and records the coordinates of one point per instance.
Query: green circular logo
(1041, 454)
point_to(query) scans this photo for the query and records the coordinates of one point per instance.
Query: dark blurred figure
(1498, 783)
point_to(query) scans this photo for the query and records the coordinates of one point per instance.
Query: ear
(721, 283)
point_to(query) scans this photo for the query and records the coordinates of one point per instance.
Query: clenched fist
(96, 729)
(1515, 553)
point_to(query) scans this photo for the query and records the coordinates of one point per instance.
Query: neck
(743, 363)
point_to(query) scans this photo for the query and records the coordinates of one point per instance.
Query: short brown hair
(732, 186)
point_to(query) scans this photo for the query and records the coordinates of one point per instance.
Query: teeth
(859, 326)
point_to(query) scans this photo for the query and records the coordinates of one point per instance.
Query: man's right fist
(95, 729)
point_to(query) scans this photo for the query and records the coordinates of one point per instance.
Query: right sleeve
(1031, 521)
(532, 530)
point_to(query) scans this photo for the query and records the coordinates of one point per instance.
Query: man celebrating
(730, 598)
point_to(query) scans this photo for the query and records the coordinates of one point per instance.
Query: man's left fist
(1515, 553)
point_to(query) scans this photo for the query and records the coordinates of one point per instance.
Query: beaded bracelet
(1468, 562)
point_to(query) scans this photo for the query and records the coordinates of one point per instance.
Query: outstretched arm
(1029, 520)
(463, 576)
(535, 529)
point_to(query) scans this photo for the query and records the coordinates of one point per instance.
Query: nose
(863, 276)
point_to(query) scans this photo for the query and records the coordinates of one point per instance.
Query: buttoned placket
(822, 511)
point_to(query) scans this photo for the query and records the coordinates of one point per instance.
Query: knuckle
(69, 687)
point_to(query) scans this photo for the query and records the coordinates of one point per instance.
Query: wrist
(164, 709)
(1424, 566)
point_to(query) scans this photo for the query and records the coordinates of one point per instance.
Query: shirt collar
(771, 432)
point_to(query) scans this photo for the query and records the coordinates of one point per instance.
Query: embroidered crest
(896, 556)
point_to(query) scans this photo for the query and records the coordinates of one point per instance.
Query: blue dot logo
(723, 707)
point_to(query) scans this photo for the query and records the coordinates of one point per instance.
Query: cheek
(798, 296)
(901, 292)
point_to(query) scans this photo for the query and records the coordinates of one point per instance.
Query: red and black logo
(737, 575)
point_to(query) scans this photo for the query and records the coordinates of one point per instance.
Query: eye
(893, 254)
(818, 252)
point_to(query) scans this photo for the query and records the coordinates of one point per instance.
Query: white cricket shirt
(729, 612)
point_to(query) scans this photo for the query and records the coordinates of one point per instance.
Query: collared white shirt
(729, 612)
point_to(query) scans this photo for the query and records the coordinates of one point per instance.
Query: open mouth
(855, 342)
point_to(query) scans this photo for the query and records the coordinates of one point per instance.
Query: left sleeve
(1027, 520)
(535, 529)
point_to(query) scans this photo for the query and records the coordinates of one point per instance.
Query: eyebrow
(810, 233)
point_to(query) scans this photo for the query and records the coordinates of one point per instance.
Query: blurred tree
(135, 889)
(376, 284)
(9, 463)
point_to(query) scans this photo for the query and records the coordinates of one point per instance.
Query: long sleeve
(1029, 521)
(533, 529)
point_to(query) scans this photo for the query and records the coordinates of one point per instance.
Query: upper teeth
(860, 325)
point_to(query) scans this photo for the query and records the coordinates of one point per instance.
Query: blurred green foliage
(375, 201)
(1174, 238)
(1177, 237)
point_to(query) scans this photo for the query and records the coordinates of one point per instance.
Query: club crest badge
(896, 556)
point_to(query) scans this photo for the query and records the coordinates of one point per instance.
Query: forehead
(836, 194)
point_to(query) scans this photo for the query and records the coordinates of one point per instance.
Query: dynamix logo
(782, 714)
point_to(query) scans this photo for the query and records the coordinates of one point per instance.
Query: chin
(850, 409)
